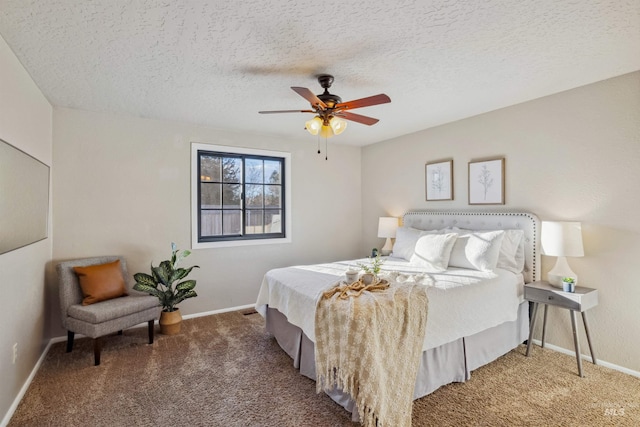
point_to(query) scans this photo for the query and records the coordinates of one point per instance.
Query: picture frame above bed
(439, 180)
(486, 182)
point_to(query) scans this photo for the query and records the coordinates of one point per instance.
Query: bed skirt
(448, 363)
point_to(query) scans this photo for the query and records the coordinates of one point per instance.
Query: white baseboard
(25, 387)
(588, 358)
(34, 371)
(222, 310)
(188, 316)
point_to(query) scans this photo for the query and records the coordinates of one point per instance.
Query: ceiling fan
(330, 111)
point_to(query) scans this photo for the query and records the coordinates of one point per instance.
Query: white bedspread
(461, 302)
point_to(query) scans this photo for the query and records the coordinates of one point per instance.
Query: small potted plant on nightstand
(568, 284)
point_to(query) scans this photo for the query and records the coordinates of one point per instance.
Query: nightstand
(579, 301)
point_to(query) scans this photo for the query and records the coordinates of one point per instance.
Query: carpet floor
(225, 370)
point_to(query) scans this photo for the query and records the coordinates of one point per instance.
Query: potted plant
(568, 284)
(374, 265)
(371, 270)
(162, 284)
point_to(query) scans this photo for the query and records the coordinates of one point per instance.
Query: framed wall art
(486, 182)
(439, 180)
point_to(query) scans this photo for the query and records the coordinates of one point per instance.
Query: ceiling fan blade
(357, 118)
(309, 96)
(364, 102)
(286, 111)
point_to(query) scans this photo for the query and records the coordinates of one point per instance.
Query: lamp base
(560, 270)
(387, 248)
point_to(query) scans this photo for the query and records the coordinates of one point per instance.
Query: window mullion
(243, 225)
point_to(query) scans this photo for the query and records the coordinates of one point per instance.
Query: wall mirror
(24, 198)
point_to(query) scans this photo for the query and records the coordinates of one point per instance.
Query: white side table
(579, 301)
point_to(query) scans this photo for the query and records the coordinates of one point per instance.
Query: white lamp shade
(562, 239)
(387, 226)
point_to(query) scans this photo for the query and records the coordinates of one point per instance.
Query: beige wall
(25, 122)
(122, 186)
(570, 156)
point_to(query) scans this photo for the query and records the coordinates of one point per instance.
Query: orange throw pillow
(101, 282)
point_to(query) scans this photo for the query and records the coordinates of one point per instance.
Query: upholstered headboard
(477, 220)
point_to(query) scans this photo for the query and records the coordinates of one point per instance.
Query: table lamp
(387, 227)
(561, 239)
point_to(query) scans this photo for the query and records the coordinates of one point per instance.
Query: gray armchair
(105, 317)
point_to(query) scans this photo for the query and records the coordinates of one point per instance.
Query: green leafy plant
(161, 282)
(374, 265)
(568, 280)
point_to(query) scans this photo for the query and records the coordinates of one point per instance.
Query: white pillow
(520, 259)
(477, 250)
(511, 256)
(406, 238)
(432, 251)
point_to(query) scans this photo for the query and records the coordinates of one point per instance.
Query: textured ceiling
(218, 62)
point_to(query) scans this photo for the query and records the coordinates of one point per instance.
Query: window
(240, 196)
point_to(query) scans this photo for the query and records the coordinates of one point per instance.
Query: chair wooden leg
(70, 336)
(151, 331)
(97, 347)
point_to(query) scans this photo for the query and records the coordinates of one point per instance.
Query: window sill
(232, 243)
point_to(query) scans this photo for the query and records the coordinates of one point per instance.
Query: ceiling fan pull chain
(318, 139)
(326, 149)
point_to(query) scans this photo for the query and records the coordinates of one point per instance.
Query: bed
(476, 313)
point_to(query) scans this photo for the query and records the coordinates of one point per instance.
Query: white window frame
(195, 182)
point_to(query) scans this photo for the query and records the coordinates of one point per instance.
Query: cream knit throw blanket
(370, 346)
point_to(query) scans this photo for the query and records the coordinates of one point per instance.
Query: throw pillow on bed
(512, 251)
(432, 251)
(511, 255)
(406, 238)
(477, 250)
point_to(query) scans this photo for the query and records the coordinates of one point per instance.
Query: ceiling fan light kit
(330, 112)
(326, 128)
